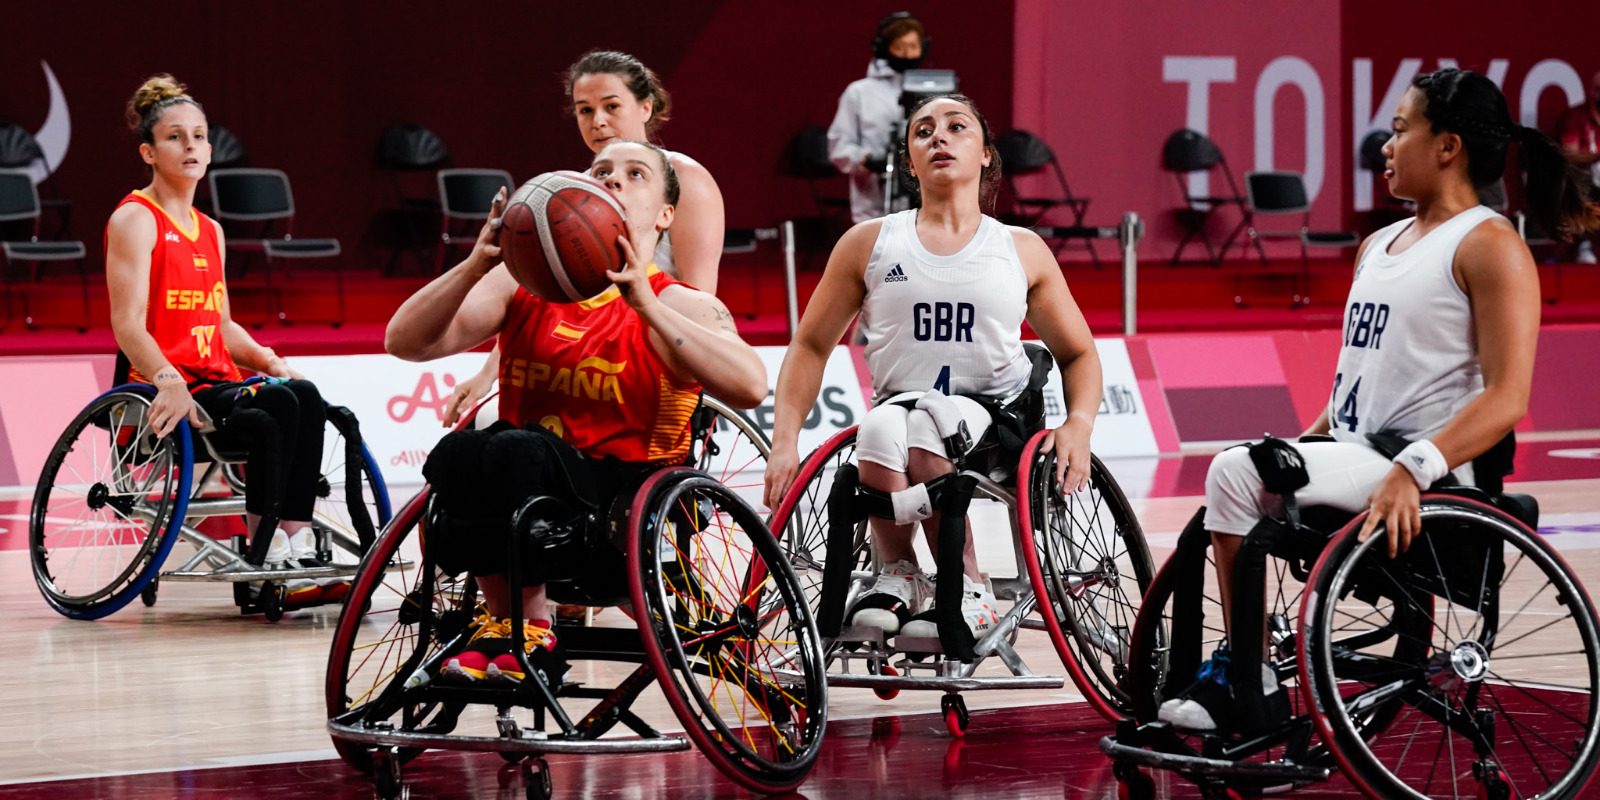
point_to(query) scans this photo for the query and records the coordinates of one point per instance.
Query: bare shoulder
(131, 219)
(1492, 241)
(1025, 239)
(691, 173)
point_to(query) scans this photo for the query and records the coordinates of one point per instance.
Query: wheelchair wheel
(1089, 565)
(107, 507)
(400, 611)
(729, 447)
(1180, 625)
(727, 630)
(352, 499)
(1493, 697)
(801, 520)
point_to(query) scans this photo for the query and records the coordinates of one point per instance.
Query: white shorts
(1343, 475)
(889, 431)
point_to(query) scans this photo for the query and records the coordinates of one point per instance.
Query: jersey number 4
(1346, 415)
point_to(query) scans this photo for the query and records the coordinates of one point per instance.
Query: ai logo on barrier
(428, 395)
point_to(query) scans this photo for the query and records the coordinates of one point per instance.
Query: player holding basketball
(171, 319)
(1438, 347)
(652, 341)
(943, 292)
(616, 97)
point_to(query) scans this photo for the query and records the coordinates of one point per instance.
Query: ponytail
(1558, 194)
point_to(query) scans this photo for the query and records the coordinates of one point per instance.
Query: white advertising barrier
(401, 404)
(1122, 428)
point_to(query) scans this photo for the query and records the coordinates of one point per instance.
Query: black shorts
(482, 479)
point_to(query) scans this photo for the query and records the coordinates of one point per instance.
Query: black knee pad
(454, 468)
(844, 512)
(519, 464)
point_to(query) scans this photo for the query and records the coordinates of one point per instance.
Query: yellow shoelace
(491, 628)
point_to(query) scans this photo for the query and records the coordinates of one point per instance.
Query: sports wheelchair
(1464, 667)
(722, 627)
(113, 499)
(1082, 565)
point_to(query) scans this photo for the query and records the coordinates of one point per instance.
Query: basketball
(558, 236)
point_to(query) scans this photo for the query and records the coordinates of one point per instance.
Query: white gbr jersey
(1409, 359)
(953, 322)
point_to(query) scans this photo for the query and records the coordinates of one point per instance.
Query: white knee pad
(882, 437)
(924, 432)
(1234, 490)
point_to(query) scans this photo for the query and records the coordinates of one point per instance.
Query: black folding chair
(1022, 153)
(405, 153)
(465, 195)
(1186, 152)
(263, 201)
(19, 200)
(18, 150)
(1282, 194)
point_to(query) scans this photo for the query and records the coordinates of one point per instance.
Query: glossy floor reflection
(1027, 752)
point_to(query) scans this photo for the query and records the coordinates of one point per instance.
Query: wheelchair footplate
(1219, 763)
(884, 674)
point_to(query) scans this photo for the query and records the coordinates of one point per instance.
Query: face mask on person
(899, 64)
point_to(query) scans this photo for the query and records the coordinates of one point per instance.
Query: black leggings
(280, 425)
(482, 478)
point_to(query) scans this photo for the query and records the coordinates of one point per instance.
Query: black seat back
(1022, 153)
(1189, 151)
(411, 147)
(226, 149)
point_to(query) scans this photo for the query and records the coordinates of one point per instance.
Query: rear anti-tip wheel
(954, 710)
(887, 692)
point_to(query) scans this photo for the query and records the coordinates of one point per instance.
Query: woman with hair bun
(174, 331)
(615, 97)
(1438, 344)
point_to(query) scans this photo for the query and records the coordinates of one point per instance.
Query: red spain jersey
(184, 310)
(586, 371)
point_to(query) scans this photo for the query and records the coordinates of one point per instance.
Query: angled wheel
(107, 506)
(352, 499)
(1089, 565)
(801, 521)
(399, 614)
(1492, 687)
(727, 630)
(1180, 625)
(729, 447)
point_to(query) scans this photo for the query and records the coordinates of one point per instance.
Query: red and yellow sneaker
(491, 639)
(539, 643)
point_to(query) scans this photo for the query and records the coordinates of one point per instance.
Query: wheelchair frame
(212, 561)
(885, 676)
(1327, 734)
(375, 745)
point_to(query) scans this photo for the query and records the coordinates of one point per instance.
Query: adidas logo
(896, 275)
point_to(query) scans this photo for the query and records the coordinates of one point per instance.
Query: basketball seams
(567, 228)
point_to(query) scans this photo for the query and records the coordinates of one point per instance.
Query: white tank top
(952, 322)
(1409, 358)
(663, 254)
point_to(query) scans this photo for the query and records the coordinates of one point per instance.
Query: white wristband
(1424, 461)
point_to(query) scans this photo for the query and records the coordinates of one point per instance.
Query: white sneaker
(280, 555)
(978, 608)
(303, 552)
(1586, 252)
(899, 592)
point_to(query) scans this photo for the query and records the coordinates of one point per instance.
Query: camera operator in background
(869, 113)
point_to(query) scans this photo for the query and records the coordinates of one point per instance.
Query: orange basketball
(558, 236)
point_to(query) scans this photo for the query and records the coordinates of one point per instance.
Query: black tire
(801, 521)
(1519, 647)
(727, 630)
(1089, 565)
(107, 506)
